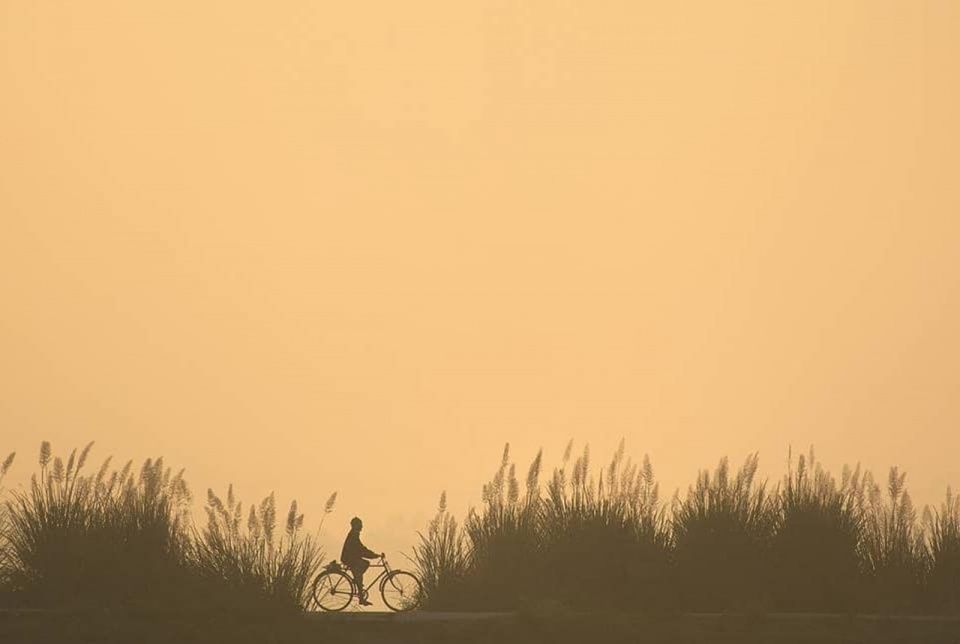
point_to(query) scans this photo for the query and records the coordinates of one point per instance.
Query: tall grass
(722, 534)
(589, 538)
(503, 537)
(816, 545)
(442, 557)
(119, 534)
(6, 563)
(122, 538)
(601, 537)
(584, 541)
(245, 553)
(894, 549)
(943, 552)
(604, 541)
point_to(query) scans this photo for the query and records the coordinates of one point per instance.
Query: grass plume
(123, 539)
(592, 538)
(263, 569)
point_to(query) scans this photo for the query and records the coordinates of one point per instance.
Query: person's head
(356, 524)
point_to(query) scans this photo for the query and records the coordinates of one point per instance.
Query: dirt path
(368, 627)
(415, 617)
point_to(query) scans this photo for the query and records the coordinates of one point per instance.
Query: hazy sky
(357, 246)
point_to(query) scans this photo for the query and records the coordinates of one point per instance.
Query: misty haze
(641, 309)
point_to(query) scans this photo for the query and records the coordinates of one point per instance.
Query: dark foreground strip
(556, 627)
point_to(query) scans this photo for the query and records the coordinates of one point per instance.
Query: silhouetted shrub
(587, 543)
(504, 541)
(98, 539)
(811, 544)
(6, 562)
(260, 569)
(894, 552)
(441, 557)
(943, 548)
(817, 541)
(585, 540)
(722, 534)
(120, 539)
(605, 542)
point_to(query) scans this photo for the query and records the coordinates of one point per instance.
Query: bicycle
(334, 588)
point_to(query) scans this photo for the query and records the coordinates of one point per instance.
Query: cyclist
(354, 556)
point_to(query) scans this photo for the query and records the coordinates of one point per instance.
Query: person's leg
(358, 569)
(357, 575)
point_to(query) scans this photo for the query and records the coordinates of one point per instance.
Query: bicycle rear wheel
(332, 591)
(401, 591)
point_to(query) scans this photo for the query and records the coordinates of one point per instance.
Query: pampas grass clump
(818, 538)
(110, 538)
(592, 539)
(6, 563)
(582, 541)
(122, 538)
(722, 535)
(441, 556)
(943, 556)
(261, 566)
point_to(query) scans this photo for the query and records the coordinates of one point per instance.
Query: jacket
(354, 550)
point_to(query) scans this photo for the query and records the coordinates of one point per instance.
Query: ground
(464, 628)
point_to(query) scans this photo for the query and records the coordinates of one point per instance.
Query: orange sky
(310, 246)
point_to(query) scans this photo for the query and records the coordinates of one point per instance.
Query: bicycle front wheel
(401, 591)
(332, 591)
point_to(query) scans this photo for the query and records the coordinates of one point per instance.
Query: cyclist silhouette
(354, 556)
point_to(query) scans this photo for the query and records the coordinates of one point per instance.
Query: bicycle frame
(381, 577)
(351, 588)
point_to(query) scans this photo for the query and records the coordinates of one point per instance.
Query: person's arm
(367, 552)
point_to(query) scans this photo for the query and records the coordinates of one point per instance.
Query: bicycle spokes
(332, 591)
(401, 591)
